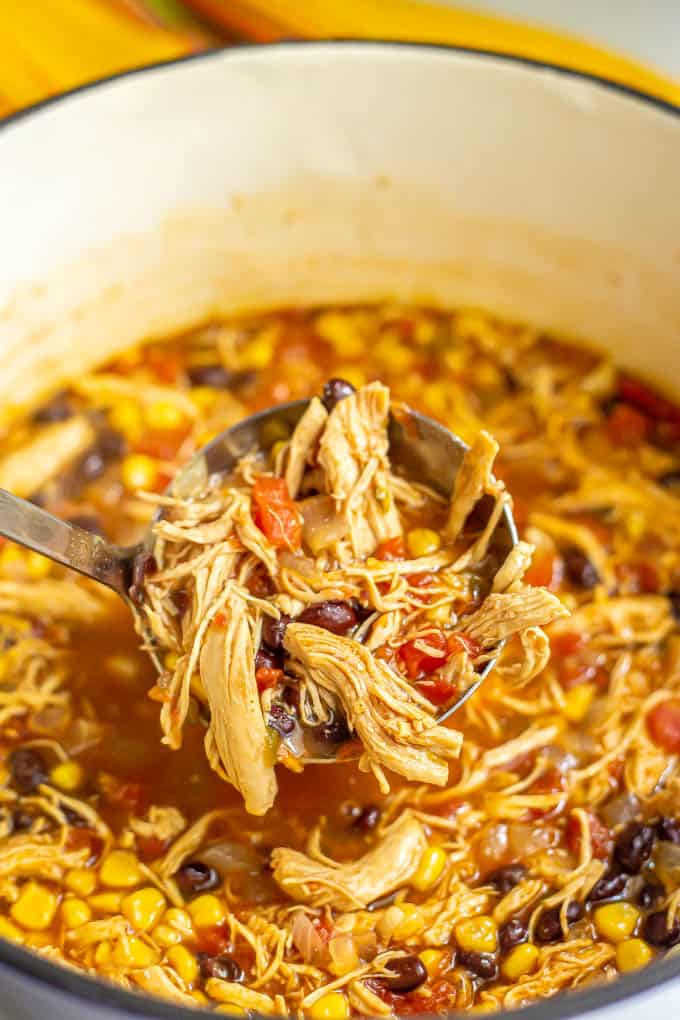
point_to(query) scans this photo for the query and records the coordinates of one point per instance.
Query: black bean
(88, 522)
(265, 659)
(91, 465)
(28, 769)
(409, 973)
(223, 967)
(143, 565)
(335, 731)
(367, 818)
(674, 599)
(196, 877)
(505, 879)
(670, 480)
(649, 894)
(58, 409)
(337, 617)
(668, 829)
(111, 445)
(580, 570)
(655, 930)
(21, 820)
(610, 885)
(483, 965)
(549, 926)
(280, 720)
(75, 820)
(216, 375)
(181, 600)
(634, 847)
(334, 391)
(274, 631)
(512, 933)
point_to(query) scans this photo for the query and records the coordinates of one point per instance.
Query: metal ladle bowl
(420, 449)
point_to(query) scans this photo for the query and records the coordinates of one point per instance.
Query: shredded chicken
(53, 448)
(386, 867)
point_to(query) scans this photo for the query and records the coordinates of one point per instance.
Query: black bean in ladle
(337, 617)
(223, 967)
(274, 631)
(334, 391)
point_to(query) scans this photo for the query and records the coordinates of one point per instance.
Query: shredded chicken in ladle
(298, 617)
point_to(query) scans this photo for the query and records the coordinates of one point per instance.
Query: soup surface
(550, 858)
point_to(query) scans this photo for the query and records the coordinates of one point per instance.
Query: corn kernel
(578, 700)
(67, 775)
(13, 560)
(207, 911)
(138, 471)
(274, 431)
(81, 881)
(616, 921)
(331, 1006)
(163, 415)
(231, 1010)
(37, 566)
(120, 870)
(143, 907)
(392, 353)
(179, 919)
(106, 902)
(411, 923)
(102, 954)
(166, 936)
(259, 351)
(430, 868)
(75, 912)
(205, 437)
(36, 907)
(432, 959)
(134, 952)
(477, 934)
(342, 333)
(10, 931)
(519, 961)
(632, 954)
(184, 962)
(278, 447)
(203, 397)
(126, 417)
(439, 614)
(422, 542)
(170, 660)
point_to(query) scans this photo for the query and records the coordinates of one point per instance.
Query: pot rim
(109, 996)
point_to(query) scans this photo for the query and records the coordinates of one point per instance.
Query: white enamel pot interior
(335, 172)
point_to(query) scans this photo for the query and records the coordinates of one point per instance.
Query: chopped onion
(621, 810)
(228, 857)
(322, 526)
(51, 720)
(667, 860)
(343, 954)
(307, 940)
(524, 838)
(492, 847)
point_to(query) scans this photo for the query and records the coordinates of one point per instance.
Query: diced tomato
(266, 677)
(417, 661)
(132, 796)
(601, 839)
(566, 642)
(166, 365)
(648, 577)
(626, 426)
(275, 513)
(420, 580)
(85, 839)
(462, 643)
(438, 690)
(214, 940)
(546, 571)
(324, 928)
(392, 549)
(386, 653)
(161, 445)
(663, 723)
(647, 400)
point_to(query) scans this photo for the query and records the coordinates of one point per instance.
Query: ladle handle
(73, 547)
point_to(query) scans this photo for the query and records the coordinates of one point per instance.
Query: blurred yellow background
(47, 46)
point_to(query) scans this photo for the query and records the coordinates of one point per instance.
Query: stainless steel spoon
(421, 449)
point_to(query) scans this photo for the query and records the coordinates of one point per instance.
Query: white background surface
(647, 30)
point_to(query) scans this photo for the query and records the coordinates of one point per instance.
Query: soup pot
(330, 172)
